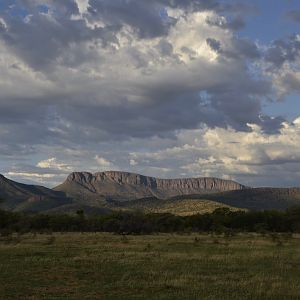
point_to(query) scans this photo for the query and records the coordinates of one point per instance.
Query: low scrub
(222, 220)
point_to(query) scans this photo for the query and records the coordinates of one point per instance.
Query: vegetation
(221, 220)
(180, 207)
(259, 198)
(223, 260)
(163, 266)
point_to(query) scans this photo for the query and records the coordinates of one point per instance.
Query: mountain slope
(254, 198)
(181, 207)
(121, 186)
(102, 192)
(22, 197)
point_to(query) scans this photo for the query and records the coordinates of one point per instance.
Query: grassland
(164, 266)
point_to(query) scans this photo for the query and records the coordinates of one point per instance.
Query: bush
(221, 221)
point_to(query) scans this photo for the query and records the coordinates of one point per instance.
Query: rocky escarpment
(102, 192)
(128, 186)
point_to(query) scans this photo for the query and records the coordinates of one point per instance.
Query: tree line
(221, 220)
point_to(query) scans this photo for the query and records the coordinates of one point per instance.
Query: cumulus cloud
(102, 162)
(249, 157)
(254, 158)
(133, 162)
(281, 63)
(130, 86)
(79, 78)
(235, 24)
(284, 51)
(53, 163)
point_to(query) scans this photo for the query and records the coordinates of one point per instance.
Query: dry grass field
(106, 266)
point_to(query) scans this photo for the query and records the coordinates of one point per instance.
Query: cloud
(294, 15)
(284, 50)
(37, 176)
(281, 61)
(146, 18)
(249, 157)
(52, 163)
(254, 158)
(85, 83)
(135, 88)
(102, 162)
(235, 24)
(52, 34)
(132, 162)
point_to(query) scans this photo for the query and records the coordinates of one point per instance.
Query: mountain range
(103, 192)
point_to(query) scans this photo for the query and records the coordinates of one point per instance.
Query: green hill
(181, 207)
(255, 198)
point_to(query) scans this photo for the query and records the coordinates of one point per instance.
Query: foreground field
(106, 266)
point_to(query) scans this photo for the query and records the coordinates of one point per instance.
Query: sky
(165, 88)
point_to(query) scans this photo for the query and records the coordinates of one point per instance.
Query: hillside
(255, 198)
(183, 207)
(102, 192)
(31, 198)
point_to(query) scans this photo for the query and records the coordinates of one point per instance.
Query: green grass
(106, 266)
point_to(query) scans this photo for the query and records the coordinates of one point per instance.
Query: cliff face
(123, 178)
(93, 192)
(124, 186)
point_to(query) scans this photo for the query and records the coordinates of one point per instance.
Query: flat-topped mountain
(100, 193)
(123, 186)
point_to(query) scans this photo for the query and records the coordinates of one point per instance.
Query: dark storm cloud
(294, 15)
(246, 48)
(146, 17)
(235, 24)
(237, 111)
(233, 7)
(150, 19)
(283, 50)
(165, 48)
(170, 102)
(54, 32)
(42, 39)
(175, 107)
(242, 48)
(66, 7)
(214, 44)
(271, 125)
(195, 4)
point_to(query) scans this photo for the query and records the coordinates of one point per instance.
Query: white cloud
(102, 162)
(250, 157)
(139, 99)
(132, 162)
(35, 178)
(53, 163)
(82, 5)
(30, 175)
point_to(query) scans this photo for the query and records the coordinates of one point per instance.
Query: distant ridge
(103, 192)
(124, 186)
